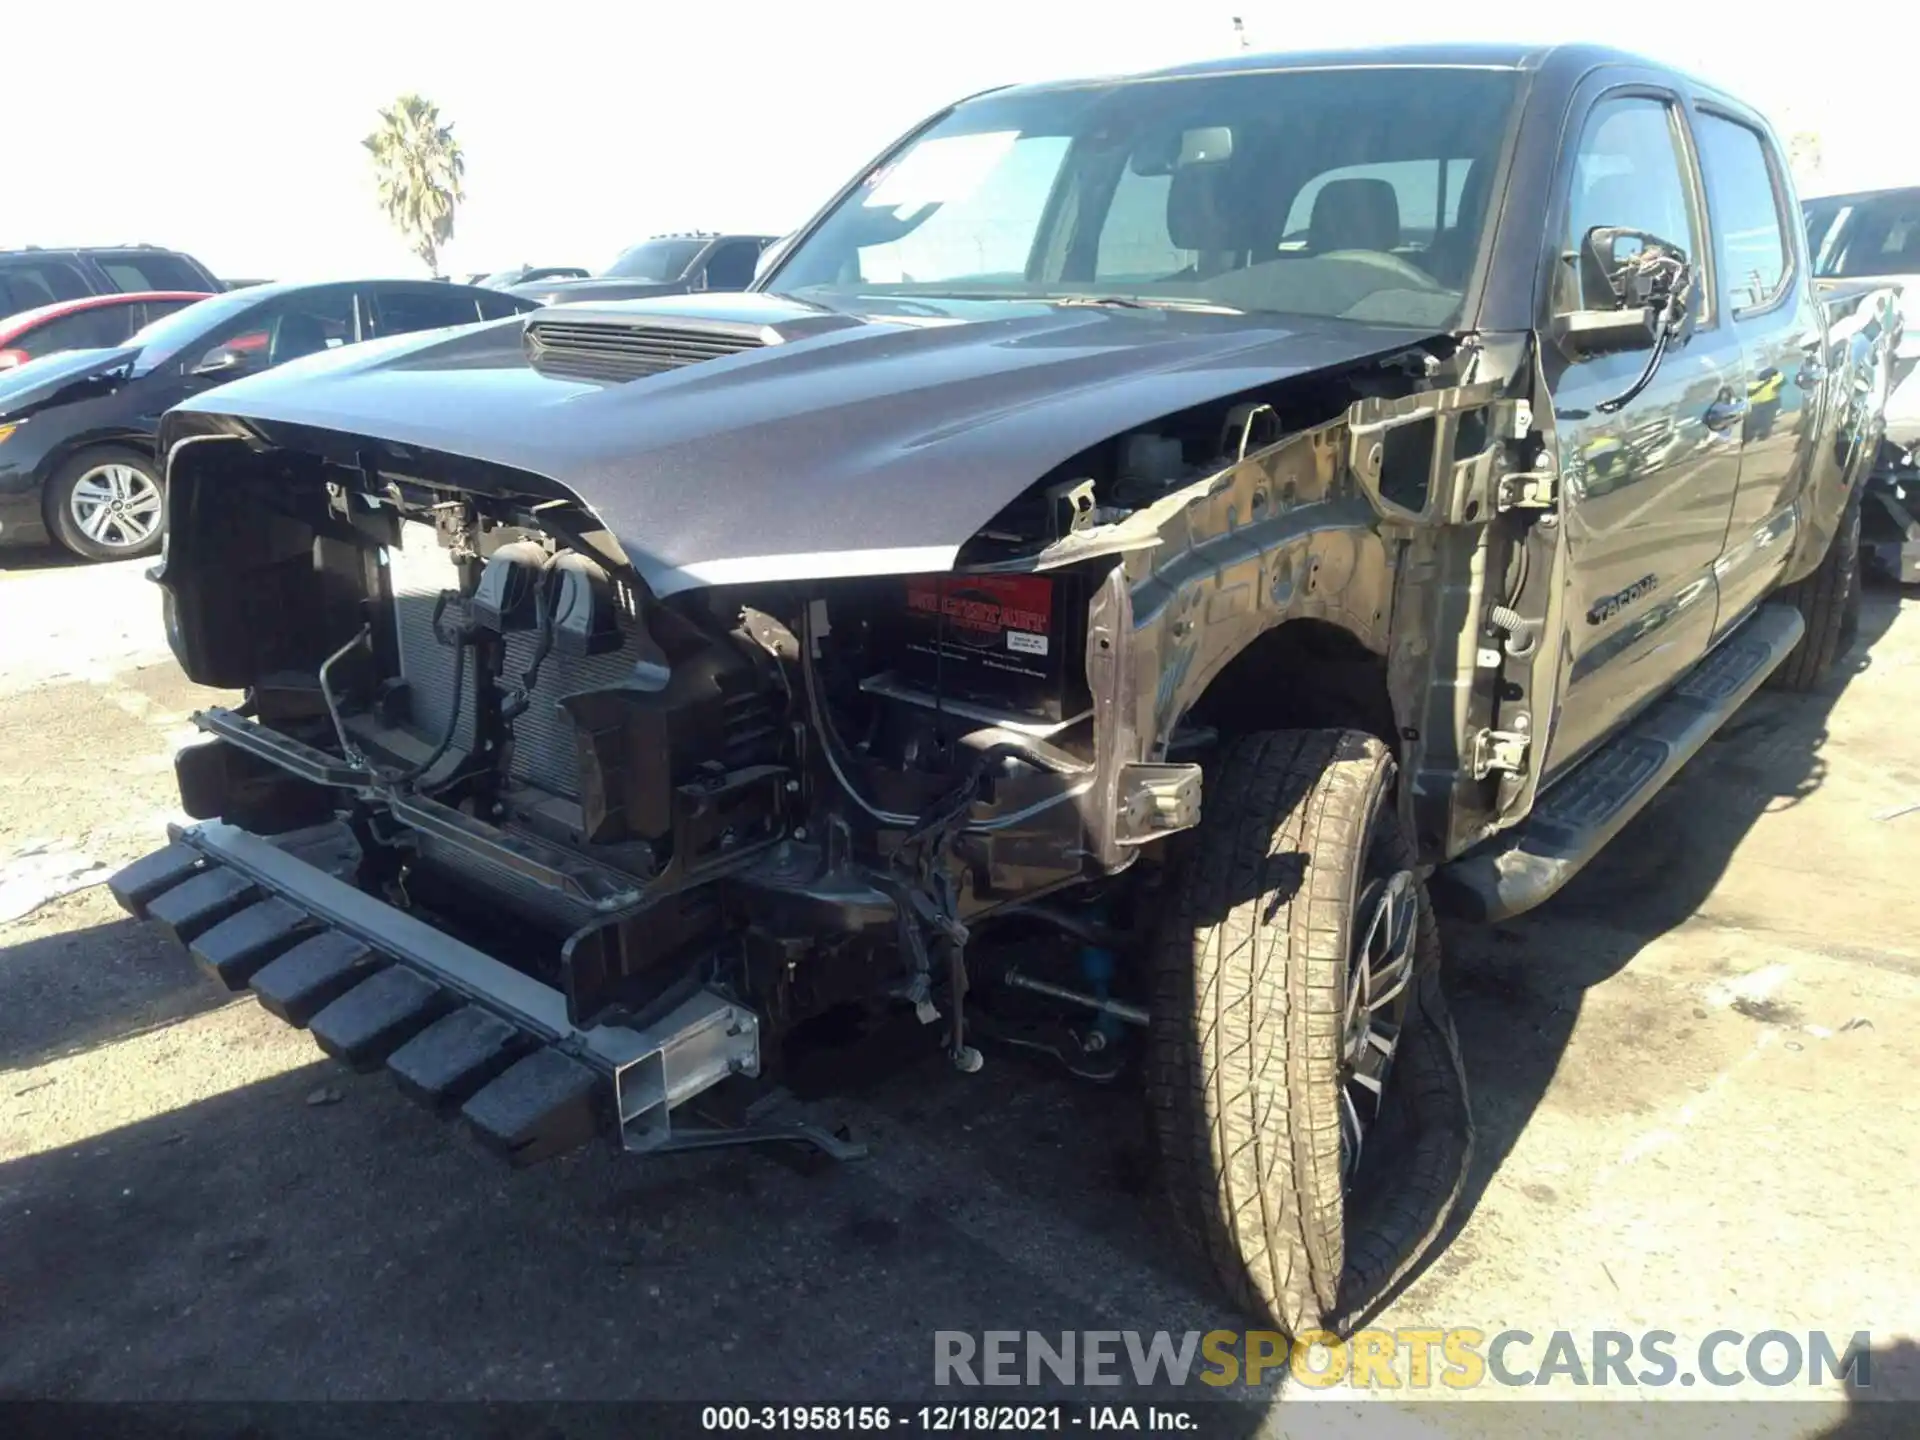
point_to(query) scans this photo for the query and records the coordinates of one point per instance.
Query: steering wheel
(1415, 277)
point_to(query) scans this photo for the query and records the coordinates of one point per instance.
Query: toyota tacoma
(1198, 516)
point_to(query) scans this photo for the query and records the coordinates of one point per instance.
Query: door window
(1746, 211)
(289, 328)
(400, 312)
(85, 330)
(1628, 173)
(730, 267)
(156, 271)
(29, 284)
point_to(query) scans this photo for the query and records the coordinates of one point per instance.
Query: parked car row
(1875, 236)
(33, 278)
(121, 334)
(77, 426)
(88, 323)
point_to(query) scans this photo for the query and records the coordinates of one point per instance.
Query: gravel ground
(1680, 1072)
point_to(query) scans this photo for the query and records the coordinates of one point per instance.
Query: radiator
(543, 752)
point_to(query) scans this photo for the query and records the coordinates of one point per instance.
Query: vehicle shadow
(70, 992)
(318, 1236)
(39, 557)
(1883, 1397)
(1516, 1010)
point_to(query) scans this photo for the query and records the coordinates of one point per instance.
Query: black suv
(664, 265)
(33, 277)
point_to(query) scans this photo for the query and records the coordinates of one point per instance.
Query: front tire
(105, 504)
(1284, 978)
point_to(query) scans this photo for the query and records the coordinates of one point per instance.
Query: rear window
(1867, 235)
(151, 271)
(398, 312)
(656, 261)
(29, 284)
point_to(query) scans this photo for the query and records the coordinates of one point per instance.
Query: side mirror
(220, 361)
(769, 255)
(1648, 280)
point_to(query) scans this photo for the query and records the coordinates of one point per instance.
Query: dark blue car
(77, 428)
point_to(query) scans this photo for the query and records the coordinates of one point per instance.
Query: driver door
(1647, 488)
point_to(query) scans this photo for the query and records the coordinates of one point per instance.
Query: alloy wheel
(1379, 972)
(116, 505)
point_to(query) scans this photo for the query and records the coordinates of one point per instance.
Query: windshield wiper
(1143, 302)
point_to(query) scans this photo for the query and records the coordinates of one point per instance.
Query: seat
(1211, 209)
(296, 335)
(1452, 251)
(1354, 214)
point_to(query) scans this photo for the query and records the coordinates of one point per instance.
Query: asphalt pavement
(1690, 1072)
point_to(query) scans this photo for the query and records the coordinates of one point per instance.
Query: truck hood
(568, 292)
(861, 443)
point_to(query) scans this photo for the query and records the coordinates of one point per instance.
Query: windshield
(659, 260)
(1860, 236)
(173, 333)
(1357, 192)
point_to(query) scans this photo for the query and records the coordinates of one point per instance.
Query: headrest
(1210, 208)
(1354, 215)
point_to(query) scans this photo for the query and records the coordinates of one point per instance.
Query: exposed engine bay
(804, 790)
(809, 797)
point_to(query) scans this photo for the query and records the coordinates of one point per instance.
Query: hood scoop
(563, 342)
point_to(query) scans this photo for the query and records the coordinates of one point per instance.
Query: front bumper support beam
(459, 1030)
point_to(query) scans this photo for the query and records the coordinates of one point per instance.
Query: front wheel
(105, 504)
(1287, 974)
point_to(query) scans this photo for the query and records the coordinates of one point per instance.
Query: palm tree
(419, 167)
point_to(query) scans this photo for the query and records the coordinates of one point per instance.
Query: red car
(88, 323)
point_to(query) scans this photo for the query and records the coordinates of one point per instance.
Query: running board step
(1522, 867)
(464, 1034)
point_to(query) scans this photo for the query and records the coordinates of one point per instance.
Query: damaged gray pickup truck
(1138, 537)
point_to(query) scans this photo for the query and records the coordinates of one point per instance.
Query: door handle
(1723, 414)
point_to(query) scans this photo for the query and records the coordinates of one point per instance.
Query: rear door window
(141, 270)
(400, 312)
(27, 284)
(84, 330)
(1747, 210)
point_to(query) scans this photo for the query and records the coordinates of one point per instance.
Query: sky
(232, 131)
